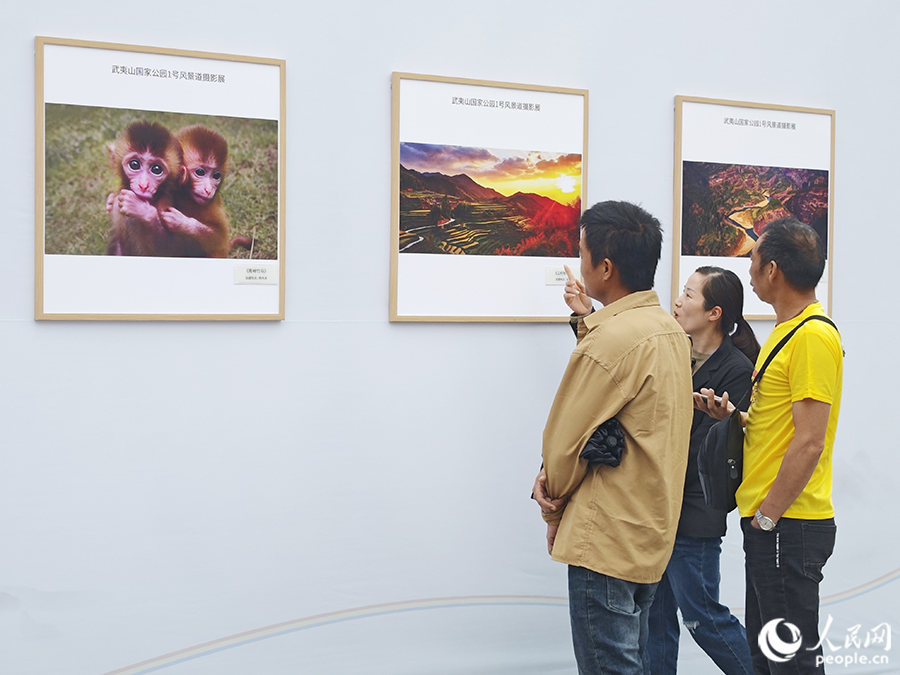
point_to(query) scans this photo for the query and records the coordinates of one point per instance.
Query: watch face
(764, 522)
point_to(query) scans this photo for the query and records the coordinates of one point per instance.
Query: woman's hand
(706, 400)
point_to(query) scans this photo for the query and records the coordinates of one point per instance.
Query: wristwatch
(765, 523)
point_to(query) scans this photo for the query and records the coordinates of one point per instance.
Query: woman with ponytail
(710, 310)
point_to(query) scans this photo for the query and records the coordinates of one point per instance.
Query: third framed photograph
(738, 167)
(488, 182)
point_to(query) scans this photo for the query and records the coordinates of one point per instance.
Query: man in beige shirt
(615, 526)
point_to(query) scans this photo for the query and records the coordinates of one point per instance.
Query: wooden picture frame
(738, 166)
(487, 189)
(86, 95)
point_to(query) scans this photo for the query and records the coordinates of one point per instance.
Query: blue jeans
(609, 622)
(691, 584)
(784, 569)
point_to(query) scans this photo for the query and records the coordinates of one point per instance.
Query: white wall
(167, 485)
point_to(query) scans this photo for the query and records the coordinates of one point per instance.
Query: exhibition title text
(493, 103)
(168, 74)
(763, 124)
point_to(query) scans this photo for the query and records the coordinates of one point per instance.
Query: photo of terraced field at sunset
(478, 201)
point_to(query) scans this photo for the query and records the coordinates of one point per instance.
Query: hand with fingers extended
(714, 406)
(575, 295)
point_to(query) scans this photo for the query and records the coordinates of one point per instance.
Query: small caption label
(255, 273)
(556, 276)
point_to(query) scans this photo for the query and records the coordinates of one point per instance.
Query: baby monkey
(196, 216)
(148, 160)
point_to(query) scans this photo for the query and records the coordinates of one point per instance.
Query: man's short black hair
(796, 249)
(627, 235)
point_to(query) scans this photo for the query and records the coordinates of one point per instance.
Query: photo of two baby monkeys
(169, 202)
(167, 196)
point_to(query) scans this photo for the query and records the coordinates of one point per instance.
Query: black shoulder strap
(782, 343)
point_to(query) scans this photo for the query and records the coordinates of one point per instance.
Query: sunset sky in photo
(550, 174)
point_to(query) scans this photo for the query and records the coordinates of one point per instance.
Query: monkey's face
(145, 172)
(205, 176)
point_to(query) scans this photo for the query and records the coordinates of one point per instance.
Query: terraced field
(435, 223)
(726, 207)
(473, 237)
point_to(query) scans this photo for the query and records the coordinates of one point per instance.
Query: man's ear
(607, 269)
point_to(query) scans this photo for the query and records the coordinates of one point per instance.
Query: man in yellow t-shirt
(785, 497)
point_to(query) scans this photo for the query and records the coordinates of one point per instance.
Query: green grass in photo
(79, 177)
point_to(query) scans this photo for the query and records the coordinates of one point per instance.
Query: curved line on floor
(295, 625)
(267, 632)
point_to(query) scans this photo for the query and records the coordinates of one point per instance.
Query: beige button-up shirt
(632, 362)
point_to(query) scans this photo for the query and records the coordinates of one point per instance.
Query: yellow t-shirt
(810, 365)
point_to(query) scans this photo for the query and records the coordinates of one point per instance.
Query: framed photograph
(159, 184)
(487, 189)
(738, 167)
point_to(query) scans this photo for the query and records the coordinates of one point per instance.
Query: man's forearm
(797, 468)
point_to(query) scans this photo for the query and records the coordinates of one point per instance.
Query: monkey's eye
(134, 165)
(200, 172)
(156, 169)
(217, 175)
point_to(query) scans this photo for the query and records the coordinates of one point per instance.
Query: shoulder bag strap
(782, 343)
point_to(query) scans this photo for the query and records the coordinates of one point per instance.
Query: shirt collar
(809, 310)
(630, 301)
